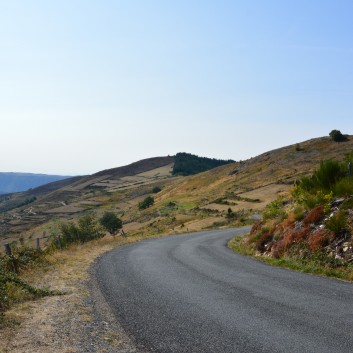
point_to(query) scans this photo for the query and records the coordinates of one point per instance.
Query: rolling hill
(17, 182)
(185, 203)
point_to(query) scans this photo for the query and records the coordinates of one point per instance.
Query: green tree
(147, 202)
(111, 223)
(230, 214)
(337, 136)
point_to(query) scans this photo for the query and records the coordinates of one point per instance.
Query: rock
(337, 202)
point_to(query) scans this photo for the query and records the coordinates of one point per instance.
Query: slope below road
(190, 293)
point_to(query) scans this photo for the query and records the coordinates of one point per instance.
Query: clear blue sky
(90, 85)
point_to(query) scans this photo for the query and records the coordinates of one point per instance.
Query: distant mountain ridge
(17, 182)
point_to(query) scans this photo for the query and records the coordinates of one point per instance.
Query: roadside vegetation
(14, 268)
(310, 230)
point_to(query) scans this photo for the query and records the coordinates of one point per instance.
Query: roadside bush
(298, 213)
(344, 187)
(314, 216)
(274, 210)
(256, 227)
(337, 223)
(111, 223)
(14, 289)
(328, 174)
(86, 229)
(347, 204)
(318, 239)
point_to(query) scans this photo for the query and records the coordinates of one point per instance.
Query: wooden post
(9, 254)
(8, 250)
(349, 169)
(38, 244)
(59, 243)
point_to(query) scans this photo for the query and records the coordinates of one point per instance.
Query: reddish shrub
(278, 249)
(256, 228)
(318, 239)
(315, 215)
(289, 222)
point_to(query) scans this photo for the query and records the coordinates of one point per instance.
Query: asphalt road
(190, 293)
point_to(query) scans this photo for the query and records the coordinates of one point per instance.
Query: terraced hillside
(229, 195)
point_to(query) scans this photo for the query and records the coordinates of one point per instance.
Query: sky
(91, 85)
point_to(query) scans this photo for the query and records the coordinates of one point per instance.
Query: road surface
(190, 293)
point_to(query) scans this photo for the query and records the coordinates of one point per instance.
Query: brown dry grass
(57, 320)
(54, 324)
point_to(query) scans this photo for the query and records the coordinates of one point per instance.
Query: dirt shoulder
(77, 321)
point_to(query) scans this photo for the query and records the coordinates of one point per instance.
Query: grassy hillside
(228, 195)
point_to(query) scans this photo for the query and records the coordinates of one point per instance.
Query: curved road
(190, 293)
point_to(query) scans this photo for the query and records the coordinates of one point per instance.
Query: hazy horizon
(88, 85)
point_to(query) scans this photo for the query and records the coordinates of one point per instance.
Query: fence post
(349, 169)
(8, 250)
(59, 243)
(9, 254)
(38, 244)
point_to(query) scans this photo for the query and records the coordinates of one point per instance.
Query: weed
(298, 213)
(274, 210)
(344, 187)
(337, 223)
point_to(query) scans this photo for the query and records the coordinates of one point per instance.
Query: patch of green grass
(312, 265)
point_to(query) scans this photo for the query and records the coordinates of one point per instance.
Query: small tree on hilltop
(337, 136)
(111, 223)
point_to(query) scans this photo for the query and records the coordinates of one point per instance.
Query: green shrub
(86, 229)
(347, 204)
(298, 213)
(344, 187)
(146, 203)
(337, 223)
(274, 210)
(298, 147)
(328, 174)
(230, 214)
(156, 189)
(13, 289)
(111, 223)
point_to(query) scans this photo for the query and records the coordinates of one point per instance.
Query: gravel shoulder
(77, 321)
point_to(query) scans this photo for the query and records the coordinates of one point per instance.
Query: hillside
(188, 203)
(66, 198)
(17, 182)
